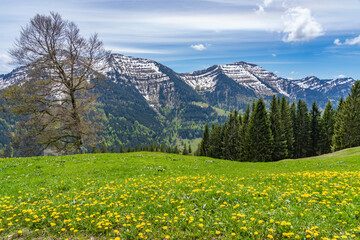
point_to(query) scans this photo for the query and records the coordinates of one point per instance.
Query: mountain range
(145, 101)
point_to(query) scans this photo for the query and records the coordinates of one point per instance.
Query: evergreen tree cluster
(153, 147)
(284, 131)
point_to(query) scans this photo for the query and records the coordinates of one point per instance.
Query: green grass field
(163, 196)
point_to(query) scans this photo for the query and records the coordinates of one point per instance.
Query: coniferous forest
(285, 130)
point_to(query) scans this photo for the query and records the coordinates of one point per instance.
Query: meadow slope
(162, 196)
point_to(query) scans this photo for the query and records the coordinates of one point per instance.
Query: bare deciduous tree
(56, 100)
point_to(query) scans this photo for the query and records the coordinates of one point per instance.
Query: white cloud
(348, 41)
(337, 42)
(267, 2)
(274, 55)
(340, 76)
(263, 5)
(353, 41)
(199, 47)
(260, 9)
(300, 26)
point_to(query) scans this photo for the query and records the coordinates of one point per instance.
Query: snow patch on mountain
(202, 80)
(240, 73)
(14, 77)
(144, 74)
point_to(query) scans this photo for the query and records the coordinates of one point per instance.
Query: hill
(164, 196)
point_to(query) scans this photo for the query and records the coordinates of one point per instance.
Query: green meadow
(147, 195)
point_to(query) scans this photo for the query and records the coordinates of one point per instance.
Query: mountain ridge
(144, 101)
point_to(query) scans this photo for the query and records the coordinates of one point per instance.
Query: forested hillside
(286, 130)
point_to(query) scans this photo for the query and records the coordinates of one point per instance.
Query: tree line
(153, 147)
(285, 130)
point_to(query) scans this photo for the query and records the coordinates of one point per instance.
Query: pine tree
(242, 135)
(185, 151)
(190, 150)
(231, 137)
(104, 148)
(215, 145)
(302, 130)
(288, 127)
(259, 137)
(205, 142)
(336, 140)
(122, 149)
(278, 132)
(347, 126)
(327, 132)
(112, 150)
(253, 106)
(95, 150)
(315, 130)
(176, 150)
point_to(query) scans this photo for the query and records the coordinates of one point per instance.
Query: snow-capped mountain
(228, 86)
(260, 81)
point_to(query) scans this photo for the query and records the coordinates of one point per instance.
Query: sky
(292, 38)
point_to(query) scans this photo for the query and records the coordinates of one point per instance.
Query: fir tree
(175, 150)
(347, 126)
(162, 148)
(259, 137)
(288, 127)
(104, 148)
(95, 150)
(327, 131)
(302, 130)
(185, 151)
(205, 142)
(112, 150)
(215, 146)
(231, 137)
(242, 135)
(293, 118)
(315, 128)
(190, 150)
(277, 128)
(336, 140)
(122, 149)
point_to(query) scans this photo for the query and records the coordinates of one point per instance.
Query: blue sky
(293, 38)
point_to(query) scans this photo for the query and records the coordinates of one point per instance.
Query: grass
(163, 196)
(219, 111)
